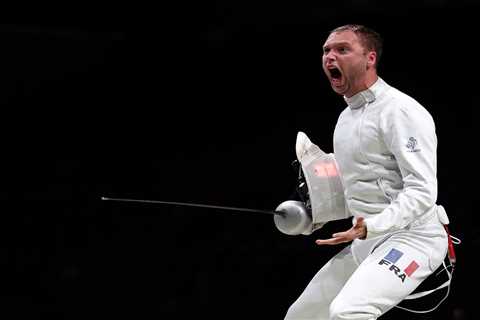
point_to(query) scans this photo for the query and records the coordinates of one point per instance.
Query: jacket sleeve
(408, 131)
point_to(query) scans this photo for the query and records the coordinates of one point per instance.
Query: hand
(359, 230)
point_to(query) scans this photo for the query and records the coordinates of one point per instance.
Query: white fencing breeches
(362, 285)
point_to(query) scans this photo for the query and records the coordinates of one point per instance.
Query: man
(385, 148)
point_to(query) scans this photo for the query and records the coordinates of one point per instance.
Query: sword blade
(196, 205)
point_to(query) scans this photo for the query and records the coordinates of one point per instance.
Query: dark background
(198, 102)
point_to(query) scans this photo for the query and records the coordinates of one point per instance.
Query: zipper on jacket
(382, 187)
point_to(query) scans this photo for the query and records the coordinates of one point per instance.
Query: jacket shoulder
(400, 102)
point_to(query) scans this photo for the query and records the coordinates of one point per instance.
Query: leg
(314, 302)
(389, 274)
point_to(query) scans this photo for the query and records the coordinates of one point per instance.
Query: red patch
(411, 268)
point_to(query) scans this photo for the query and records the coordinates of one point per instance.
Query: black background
(198, 102)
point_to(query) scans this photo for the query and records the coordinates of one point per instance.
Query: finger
(340, 234)
(331, 241)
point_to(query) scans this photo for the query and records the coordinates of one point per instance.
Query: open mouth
(335, 74)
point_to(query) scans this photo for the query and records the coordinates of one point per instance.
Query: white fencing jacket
(385, 146)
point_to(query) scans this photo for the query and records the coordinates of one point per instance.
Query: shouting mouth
(335, 76)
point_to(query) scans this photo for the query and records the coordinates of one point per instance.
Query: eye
(343, 49)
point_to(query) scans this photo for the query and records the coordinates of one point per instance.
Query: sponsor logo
(391, 258)
(412, 145)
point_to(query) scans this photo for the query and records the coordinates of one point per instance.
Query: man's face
(345, 62)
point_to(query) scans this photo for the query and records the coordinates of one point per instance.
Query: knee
(338, 310)
(292, 312)
(306, 310)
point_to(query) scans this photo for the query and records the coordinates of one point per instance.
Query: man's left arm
(409, 133)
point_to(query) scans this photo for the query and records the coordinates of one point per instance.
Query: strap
(452, 259)
(424, 293)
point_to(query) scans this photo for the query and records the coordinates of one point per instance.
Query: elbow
(424, 196)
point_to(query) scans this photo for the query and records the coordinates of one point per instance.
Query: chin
(340, 91)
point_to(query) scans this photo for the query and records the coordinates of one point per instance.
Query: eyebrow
(334, 44)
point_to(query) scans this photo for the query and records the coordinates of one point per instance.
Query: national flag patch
(391, 258)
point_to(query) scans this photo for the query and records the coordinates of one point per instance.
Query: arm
(409, 133)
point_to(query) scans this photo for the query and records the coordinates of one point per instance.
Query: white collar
(366, 96)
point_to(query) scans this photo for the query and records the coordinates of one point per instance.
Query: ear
(371, 59)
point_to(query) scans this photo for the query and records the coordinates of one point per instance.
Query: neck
(364, 83)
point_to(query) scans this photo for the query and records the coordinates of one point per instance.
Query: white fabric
(325, 188)
(363, 285)
(385, 146)
(303, 144)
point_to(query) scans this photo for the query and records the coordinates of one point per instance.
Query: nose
(329, 56)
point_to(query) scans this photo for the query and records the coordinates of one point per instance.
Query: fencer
(385, 156)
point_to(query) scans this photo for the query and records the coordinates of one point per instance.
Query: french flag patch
(391, 258)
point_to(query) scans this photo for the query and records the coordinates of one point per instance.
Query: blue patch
(393, 255)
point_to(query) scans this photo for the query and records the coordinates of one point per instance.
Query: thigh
(315, 300)
(386, 277)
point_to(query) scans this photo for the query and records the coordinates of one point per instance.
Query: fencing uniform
(385, 147)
